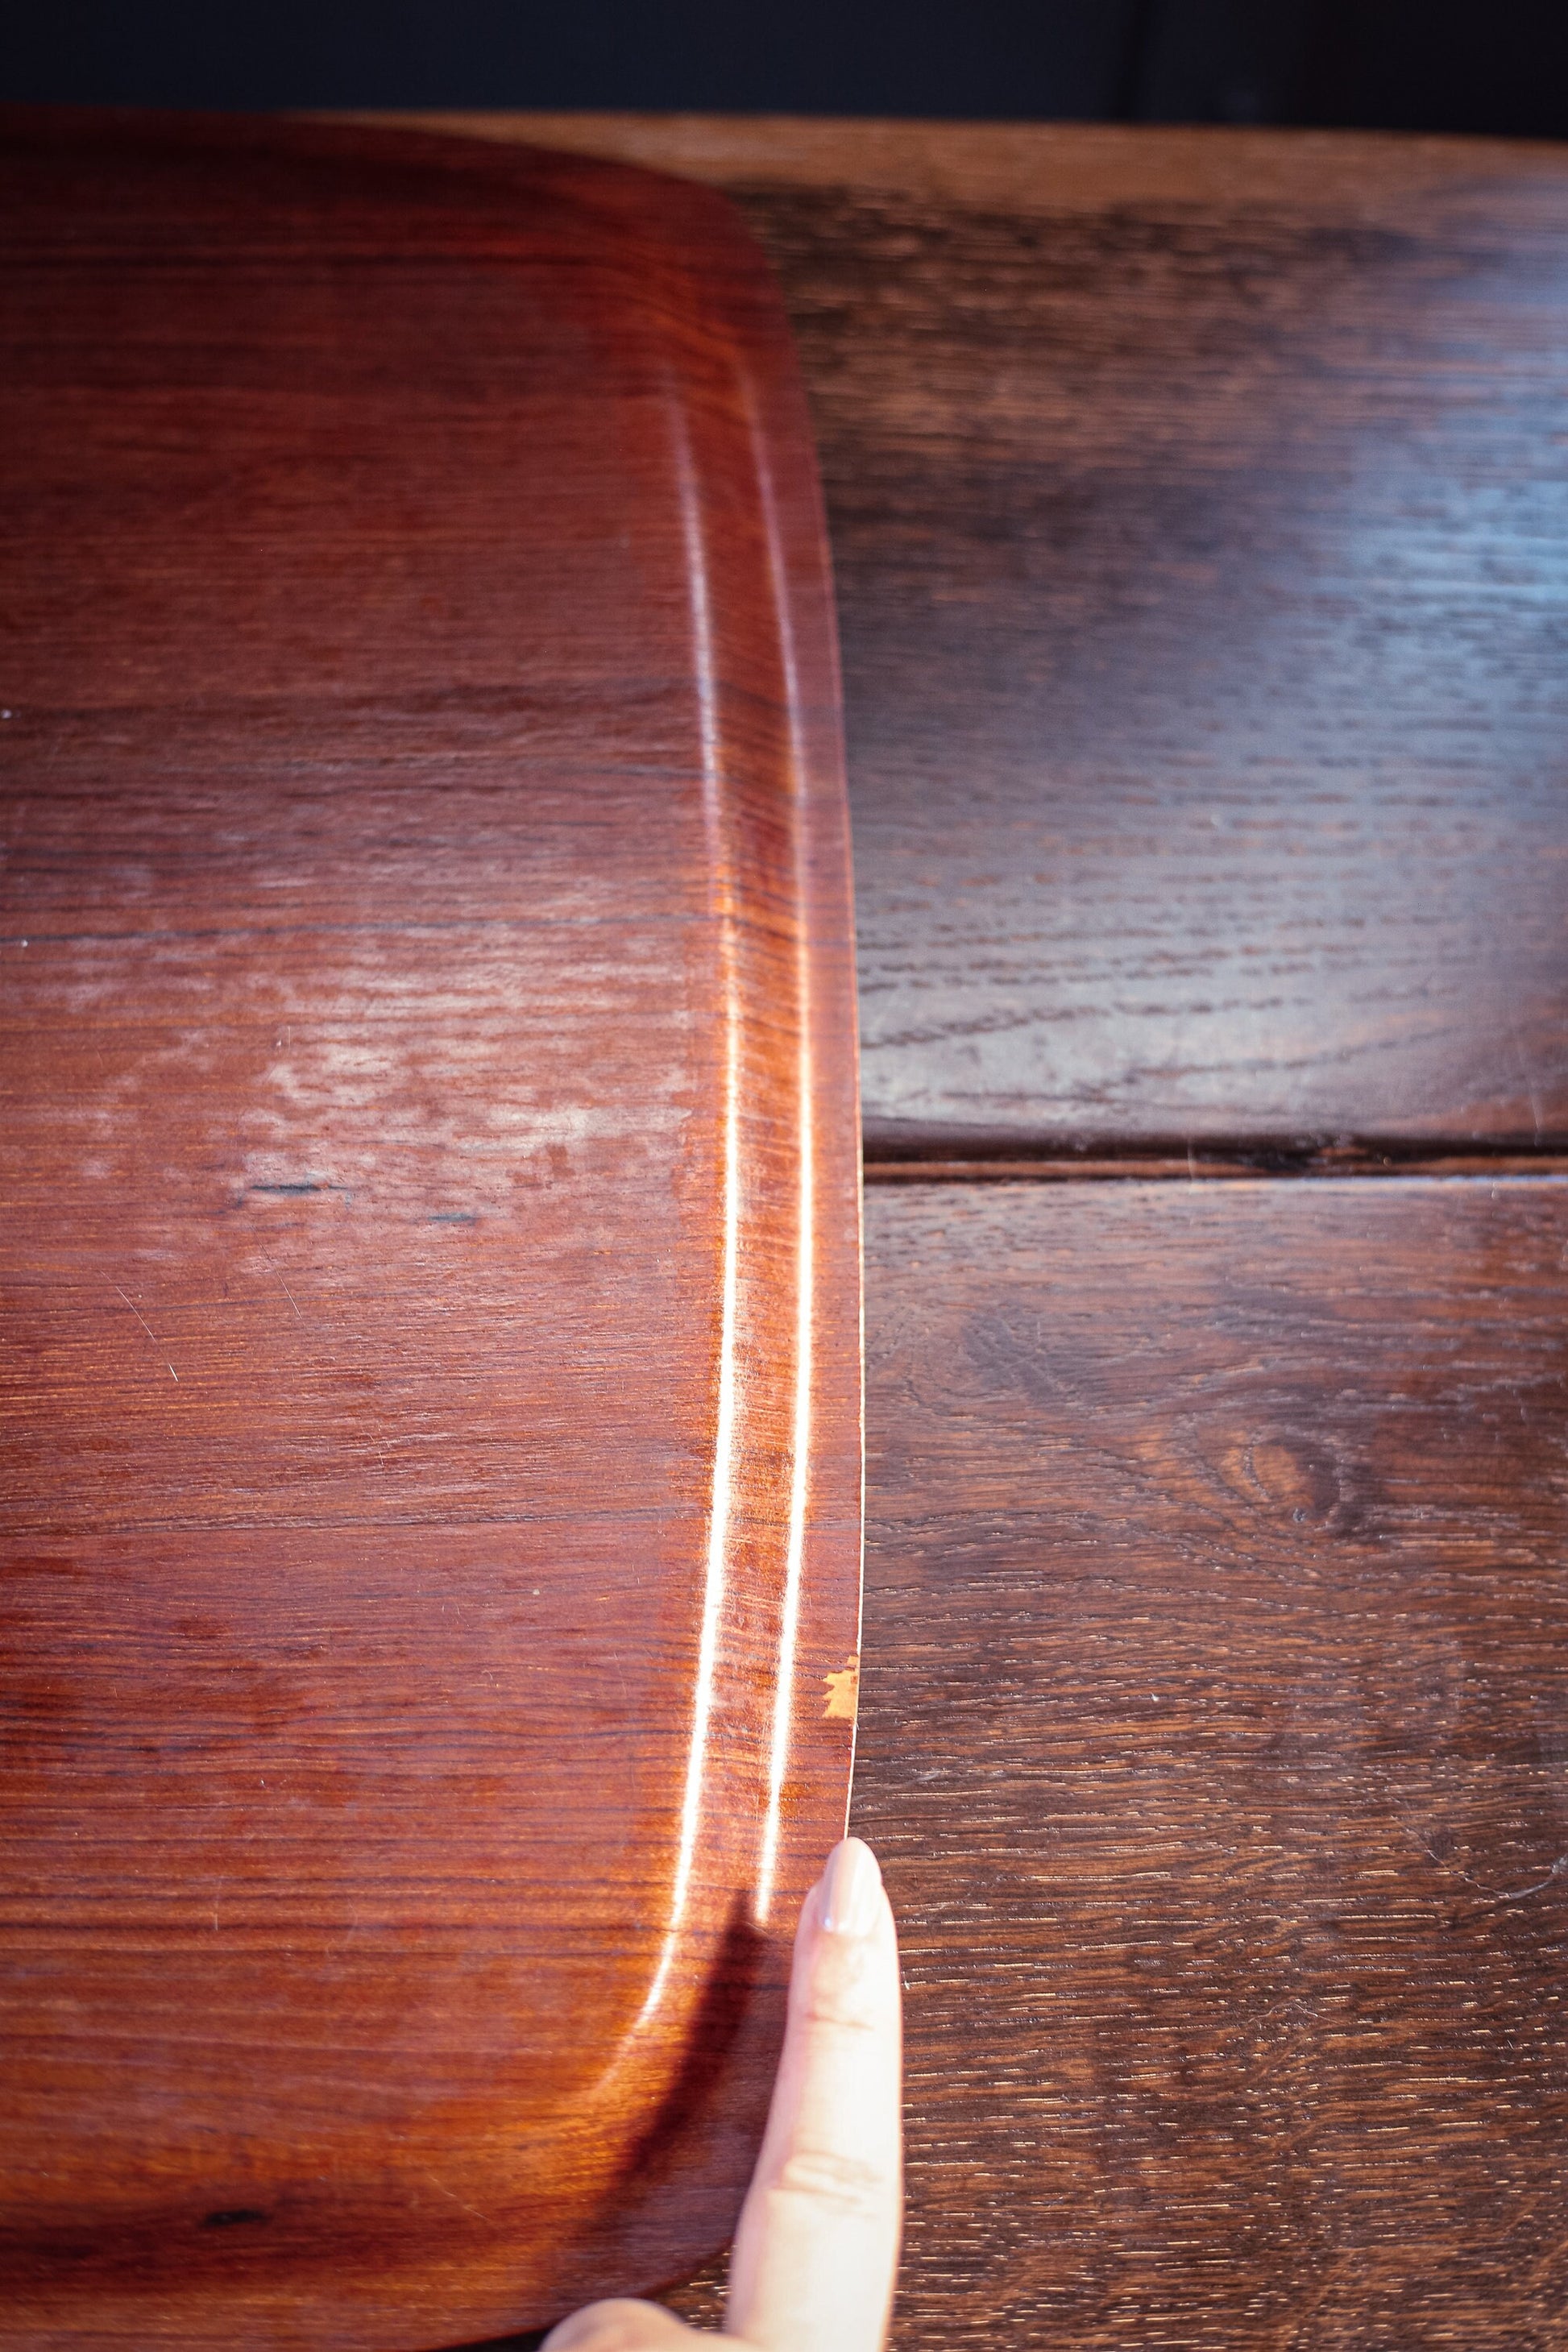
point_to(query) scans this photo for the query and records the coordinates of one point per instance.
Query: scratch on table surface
(1490, 1893)
(151, 1334)
(1534, 1100)
(1522, 1894)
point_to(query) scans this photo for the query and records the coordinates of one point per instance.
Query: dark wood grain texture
(1215, 1742)
(1201, 535)
(431, 1500)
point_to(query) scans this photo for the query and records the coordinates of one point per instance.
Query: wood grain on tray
(431, 1512)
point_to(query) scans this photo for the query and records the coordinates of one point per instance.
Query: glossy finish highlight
(431, 1529)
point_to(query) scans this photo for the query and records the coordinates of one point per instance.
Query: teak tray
(431, 1511)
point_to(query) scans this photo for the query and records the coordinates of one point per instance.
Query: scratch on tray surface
(453, 2199)
(283, 1286)
(151, 1334)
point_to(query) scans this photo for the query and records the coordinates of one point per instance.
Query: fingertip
(846, 1968)
(849, 1892)
(817, 2248)
(619, 2325)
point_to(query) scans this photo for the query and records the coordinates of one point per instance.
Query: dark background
(1437, 65)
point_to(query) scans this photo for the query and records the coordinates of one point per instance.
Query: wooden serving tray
(432, 1492)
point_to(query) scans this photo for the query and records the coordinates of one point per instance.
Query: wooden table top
(1200, 520)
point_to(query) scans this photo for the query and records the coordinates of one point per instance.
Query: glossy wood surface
(1215, 1742)
(431, 1510)
(1201, 536)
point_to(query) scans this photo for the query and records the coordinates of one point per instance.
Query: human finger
(817, 2245)
(622, 2326)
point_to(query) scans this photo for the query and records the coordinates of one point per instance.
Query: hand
(817, 2243)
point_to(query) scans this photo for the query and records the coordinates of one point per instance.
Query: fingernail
(852, 1890)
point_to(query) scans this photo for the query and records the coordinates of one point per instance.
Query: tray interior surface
(432, 1503)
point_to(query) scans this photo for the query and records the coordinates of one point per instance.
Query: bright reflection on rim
(800, 1434)
(716, 1567)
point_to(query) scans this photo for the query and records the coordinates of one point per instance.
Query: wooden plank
(1201, 538)
(1214, 1737)
(430, 1277)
